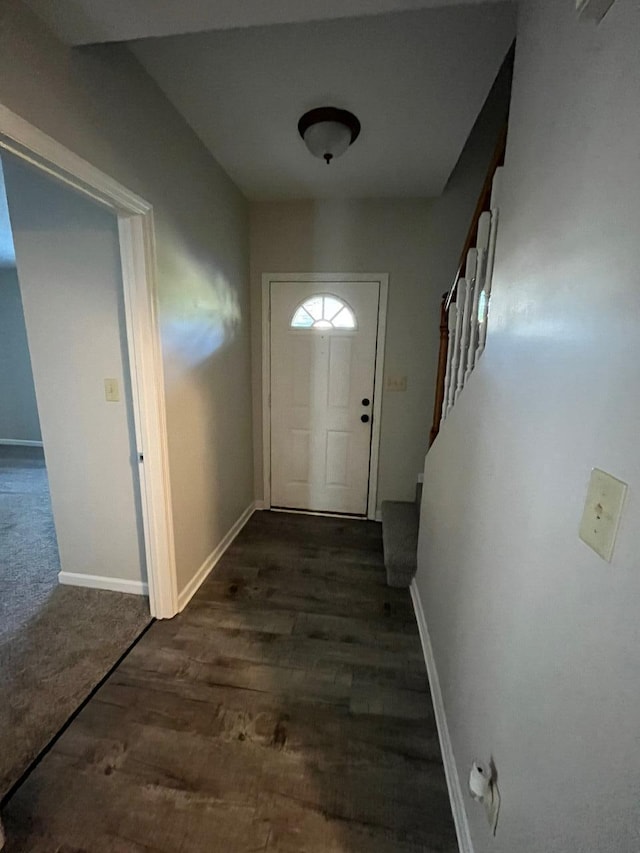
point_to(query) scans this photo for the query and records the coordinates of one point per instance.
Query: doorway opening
(73, 575)
(137, 252)
(86, 555)
(28, 546)
(323, 352)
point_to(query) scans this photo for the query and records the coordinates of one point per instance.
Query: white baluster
(464, 330)
(451, 320)
(473, 319)
(471, 265)
(461, 294)
(483, 311)
(491, 255)
(484, 230)
(496, 188)
(472, 273)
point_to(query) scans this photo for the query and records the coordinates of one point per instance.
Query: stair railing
(464, 311)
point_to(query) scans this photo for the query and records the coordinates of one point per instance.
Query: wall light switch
(396, 383)
(111, 391)
(602, 511)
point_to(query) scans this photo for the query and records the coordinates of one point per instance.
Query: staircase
(464, 311)
(400, 521)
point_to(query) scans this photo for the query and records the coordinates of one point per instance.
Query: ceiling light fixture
(328, 132)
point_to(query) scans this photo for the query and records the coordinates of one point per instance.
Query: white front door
(323, 358)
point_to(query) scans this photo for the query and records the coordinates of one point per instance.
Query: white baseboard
(100, 582)
(451, 771)
(186, 594)
(260, 505)
(20, 442)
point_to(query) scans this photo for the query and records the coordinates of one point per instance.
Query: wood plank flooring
(286, 709)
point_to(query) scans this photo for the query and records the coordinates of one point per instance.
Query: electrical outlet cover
(396, 383)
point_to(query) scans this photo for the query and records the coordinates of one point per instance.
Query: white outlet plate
(396, 383)
(602, 511)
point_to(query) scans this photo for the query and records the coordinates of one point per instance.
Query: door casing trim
(139, 279)
(382, 281)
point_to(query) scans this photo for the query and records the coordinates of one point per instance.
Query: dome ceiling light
(328, 132)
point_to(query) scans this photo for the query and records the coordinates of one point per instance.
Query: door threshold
(353, 517)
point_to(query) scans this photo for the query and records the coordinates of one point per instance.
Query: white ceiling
(416, 80)
(242, 72)
(88, 21)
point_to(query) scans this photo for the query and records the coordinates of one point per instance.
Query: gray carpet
(400, 523)
(28, 550)
(56, 642)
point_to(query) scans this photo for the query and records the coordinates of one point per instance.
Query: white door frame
(381, 279)
(137, 250)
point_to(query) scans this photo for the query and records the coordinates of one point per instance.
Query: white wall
(536, 638)
(18, 407)
(101, 105)
(361, 236)
(67, 252)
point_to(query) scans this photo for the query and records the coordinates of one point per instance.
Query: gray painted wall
(18, 407)
(7, 252)
(452, 212)
(536, 638)
(104, 107)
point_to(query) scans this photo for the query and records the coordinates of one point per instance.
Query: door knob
(364, 419)
(366, 401)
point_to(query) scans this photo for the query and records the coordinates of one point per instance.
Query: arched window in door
(323, 311)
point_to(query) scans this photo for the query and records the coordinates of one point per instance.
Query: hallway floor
(56, 642)
(286, 709)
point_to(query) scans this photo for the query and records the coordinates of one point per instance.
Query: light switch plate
(602, 511)
(111, 391)
(396, 383)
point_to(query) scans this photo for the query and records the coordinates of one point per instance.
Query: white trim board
(20, 442)
(137, 249)
(456, 796)
(382, 279)
(186, 594)
(100, 582)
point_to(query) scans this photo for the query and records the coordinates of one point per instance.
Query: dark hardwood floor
(286, 709)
